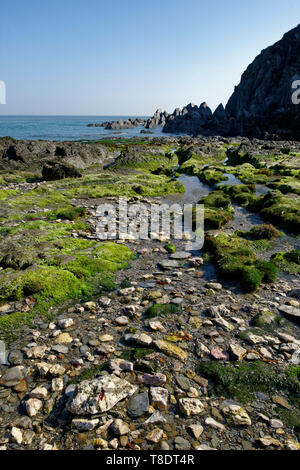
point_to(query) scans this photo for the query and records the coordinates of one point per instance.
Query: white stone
(190, 406)
(33, 406)
(99, 395)
(159, 397)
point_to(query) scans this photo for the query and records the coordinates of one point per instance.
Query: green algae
(242, 380)
(234, 259)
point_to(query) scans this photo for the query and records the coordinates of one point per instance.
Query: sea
(67, 128)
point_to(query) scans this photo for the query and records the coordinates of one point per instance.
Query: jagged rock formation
(130, 123)
(158, 119)
(261, 104)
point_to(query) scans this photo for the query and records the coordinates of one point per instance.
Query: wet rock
(180, 255)
(168, 264)
(292, 312)
(99, 395)
(85, 424)
(119, 427)
(12, 377)
(181, 444)
(138, 405)
(153, 379)
(171, 350)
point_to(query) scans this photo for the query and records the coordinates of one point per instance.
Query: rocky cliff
(260, 105)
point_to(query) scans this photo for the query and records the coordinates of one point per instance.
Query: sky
(130, 57)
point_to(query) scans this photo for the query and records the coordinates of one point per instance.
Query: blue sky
(129, 57)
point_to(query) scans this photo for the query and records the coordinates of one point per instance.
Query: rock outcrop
(33, 155)
(261, 105)
(262, 102)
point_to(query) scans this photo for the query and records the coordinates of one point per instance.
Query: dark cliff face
(260, 105)
(262, 102)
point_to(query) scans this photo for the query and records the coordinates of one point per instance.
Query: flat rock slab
(99, 395)
(168, 264)
(292, 312)
(180, 255)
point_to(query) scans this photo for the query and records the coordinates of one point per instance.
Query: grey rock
(138, 405)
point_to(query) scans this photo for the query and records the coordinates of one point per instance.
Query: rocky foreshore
(144, 345)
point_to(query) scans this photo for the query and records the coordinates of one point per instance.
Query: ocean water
(65, 128)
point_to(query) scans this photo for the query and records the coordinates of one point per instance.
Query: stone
(216, 311)
(99, 395)
(168, 264)
(85, 424)
(219, 354)
(214, 424)
(12, 377)
(155, 435)
(292, 312)
(276, 423)
(40, 392)
(255, 339)
(235, 414)
(281, 402)
(120, 365)
(214, 286)
(237, 351)
(190, 406)
(141, 339)
(106, 338)
(156, 325)
(155, 418)
(180, 255)
(33, 406)
(37, 352)
(196, 430)
(171, 350)
(264, 319)
(181, 444)
(138, 405)
(57, 384)
(63, 338)
(119, 427)
(60, 349)
(153, 379)
(65, 323)
(16, 435)
(122, 321)
(159, 397)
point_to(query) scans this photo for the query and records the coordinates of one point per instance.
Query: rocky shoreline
(168, 351)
